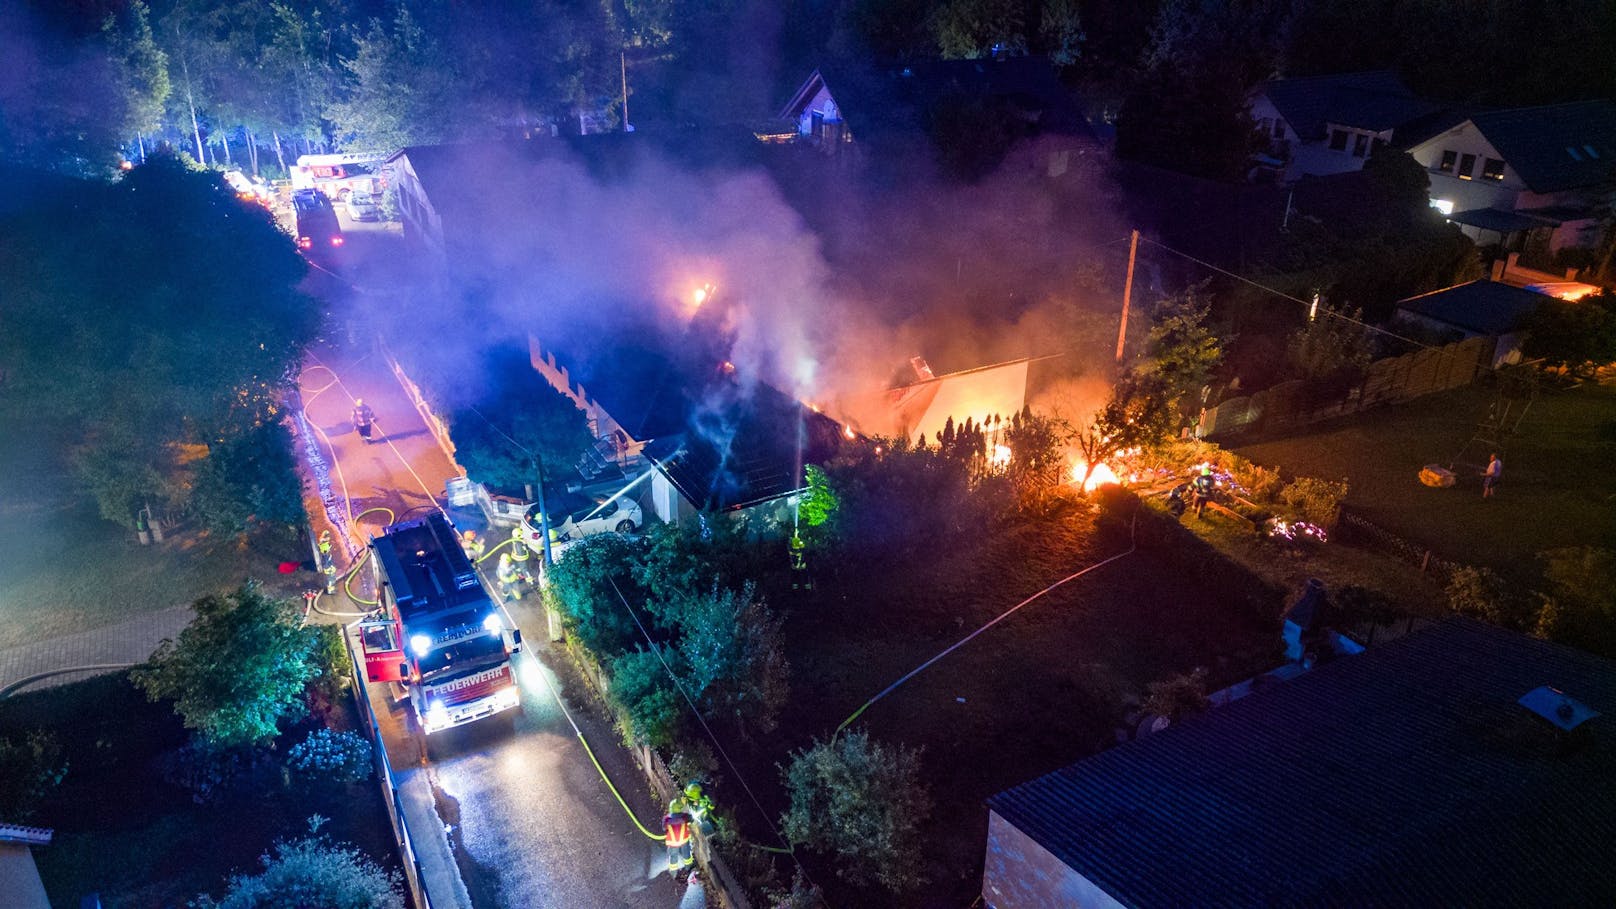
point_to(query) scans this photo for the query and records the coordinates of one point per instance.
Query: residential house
(1524, 176)
(1322, 125)
(19, 878)
(925, 403)
(712, 441)
(1460, 765)
(1484, 309)
(837, 106)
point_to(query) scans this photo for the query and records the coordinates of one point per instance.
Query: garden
(229, 771)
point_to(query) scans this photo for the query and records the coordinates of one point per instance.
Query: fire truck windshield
(472, 653)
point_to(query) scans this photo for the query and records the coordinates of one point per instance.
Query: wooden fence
(1388, 381)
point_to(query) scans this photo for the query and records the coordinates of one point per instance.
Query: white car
(363, 207)
(623, 515)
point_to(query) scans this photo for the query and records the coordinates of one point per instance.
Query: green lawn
(1559, 473)
(67, 570)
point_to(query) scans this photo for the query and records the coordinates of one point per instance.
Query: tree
(31, 767)
(1332, 348)
(249, 477)
(692, 557)
(1573, 335)
(237, 669)
(141, 68)
(1187, 110)
(970, 29)
(399, 94)
(313, 873)
(1037, 446)
(179, 333)
(1580, 605)
(862, 802)
(733, 656)
(1060, 31)
(515, 412)
(1181, 351)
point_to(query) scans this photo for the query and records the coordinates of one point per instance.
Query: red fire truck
(436, 631)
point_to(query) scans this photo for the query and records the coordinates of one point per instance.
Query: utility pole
(1127, 294)
(622, 63)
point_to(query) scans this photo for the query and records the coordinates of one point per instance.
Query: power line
(1280, 293)
(703, 720)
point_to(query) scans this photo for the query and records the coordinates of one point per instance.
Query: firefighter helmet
(469, 536)
(693, 792)
(359, 402)
(1206, 470)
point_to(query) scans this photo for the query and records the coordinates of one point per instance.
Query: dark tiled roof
(1499, 220)
(1374, 101)
(898, 99)
(1405, 776)
(1485, 307)
(743, 446)
(1548, 146)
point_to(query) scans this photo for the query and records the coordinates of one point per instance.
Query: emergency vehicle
(436, 631)
(339, 175)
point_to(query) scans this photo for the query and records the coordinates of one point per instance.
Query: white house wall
(420, 220)
(1477, 192)
(1021, 874)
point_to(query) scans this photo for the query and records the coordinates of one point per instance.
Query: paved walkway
(126, 642)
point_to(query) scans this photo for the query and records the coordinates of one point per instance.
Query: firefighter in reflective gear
(364, 419)
(676, 836)
(328, 562)
(508, 578)
(520, 553)
(701, 807)
(473, 545)
(1203, 486)
(799, 564)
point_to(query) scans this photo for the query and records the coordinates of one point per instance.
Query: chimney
(922, 368)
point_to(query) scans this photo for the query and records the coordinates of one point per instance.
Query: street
(530, 820)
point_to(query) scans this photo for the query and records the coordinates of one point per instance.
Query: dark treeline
(254, 83)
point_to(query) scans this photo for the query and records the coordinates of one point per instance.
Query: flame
(1102, 475)
(1000, 456)
(699, 296)
(847, 432)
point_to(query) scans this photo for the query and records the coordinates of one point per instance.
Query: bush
(651, 706)
(334, 668)
(313, 873)
(1262, 484)
(864, 803)
(31, 767)
(1480, 593)
(1580, 606)
(211, 774)
(1315, 501)
(732, 656)
(340, 757)
(238, 668)
(580, 589)
(1178, 696)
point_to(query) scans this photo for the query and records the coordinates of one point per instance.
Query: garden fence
(1388, 381)
(1363, 531)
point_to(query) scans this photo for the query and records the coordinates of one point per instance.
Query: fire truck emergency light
(421, 644)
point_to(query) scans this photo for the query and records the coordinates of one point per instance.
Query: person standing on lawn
(1203, 486)
(1494, 473)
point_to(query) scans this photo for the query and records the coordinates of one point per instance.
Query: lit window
(1575, 155)
(1449, 158)
(1360, 145)
(1445, 206)
(1338, 140)
(1467, 164)
(1492, 169)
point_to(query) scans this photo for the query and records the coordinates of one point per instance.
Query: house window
(1492, 169)
(1449, 158)
(1467, 164)
(1360, 145)
(1338, 140)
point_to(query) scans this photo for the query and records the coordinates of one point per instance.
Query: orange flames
(1102, 475)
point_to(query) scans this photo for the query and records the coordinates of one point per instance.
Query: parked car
(363, 207)
(623, 515)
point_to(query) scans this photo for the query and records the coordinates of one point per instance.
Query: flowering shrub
(343, 757)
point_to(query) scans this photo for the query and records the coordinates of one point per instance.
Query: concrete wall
(422, 225)
(1020, 874)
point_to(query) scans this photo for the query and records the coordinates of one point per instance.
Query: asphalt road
(531, 822)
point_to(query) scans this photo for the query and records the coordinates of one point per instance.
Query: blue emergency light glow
(421, 644)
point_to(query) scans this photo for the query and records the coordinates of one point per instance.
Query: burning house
(920, 403)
